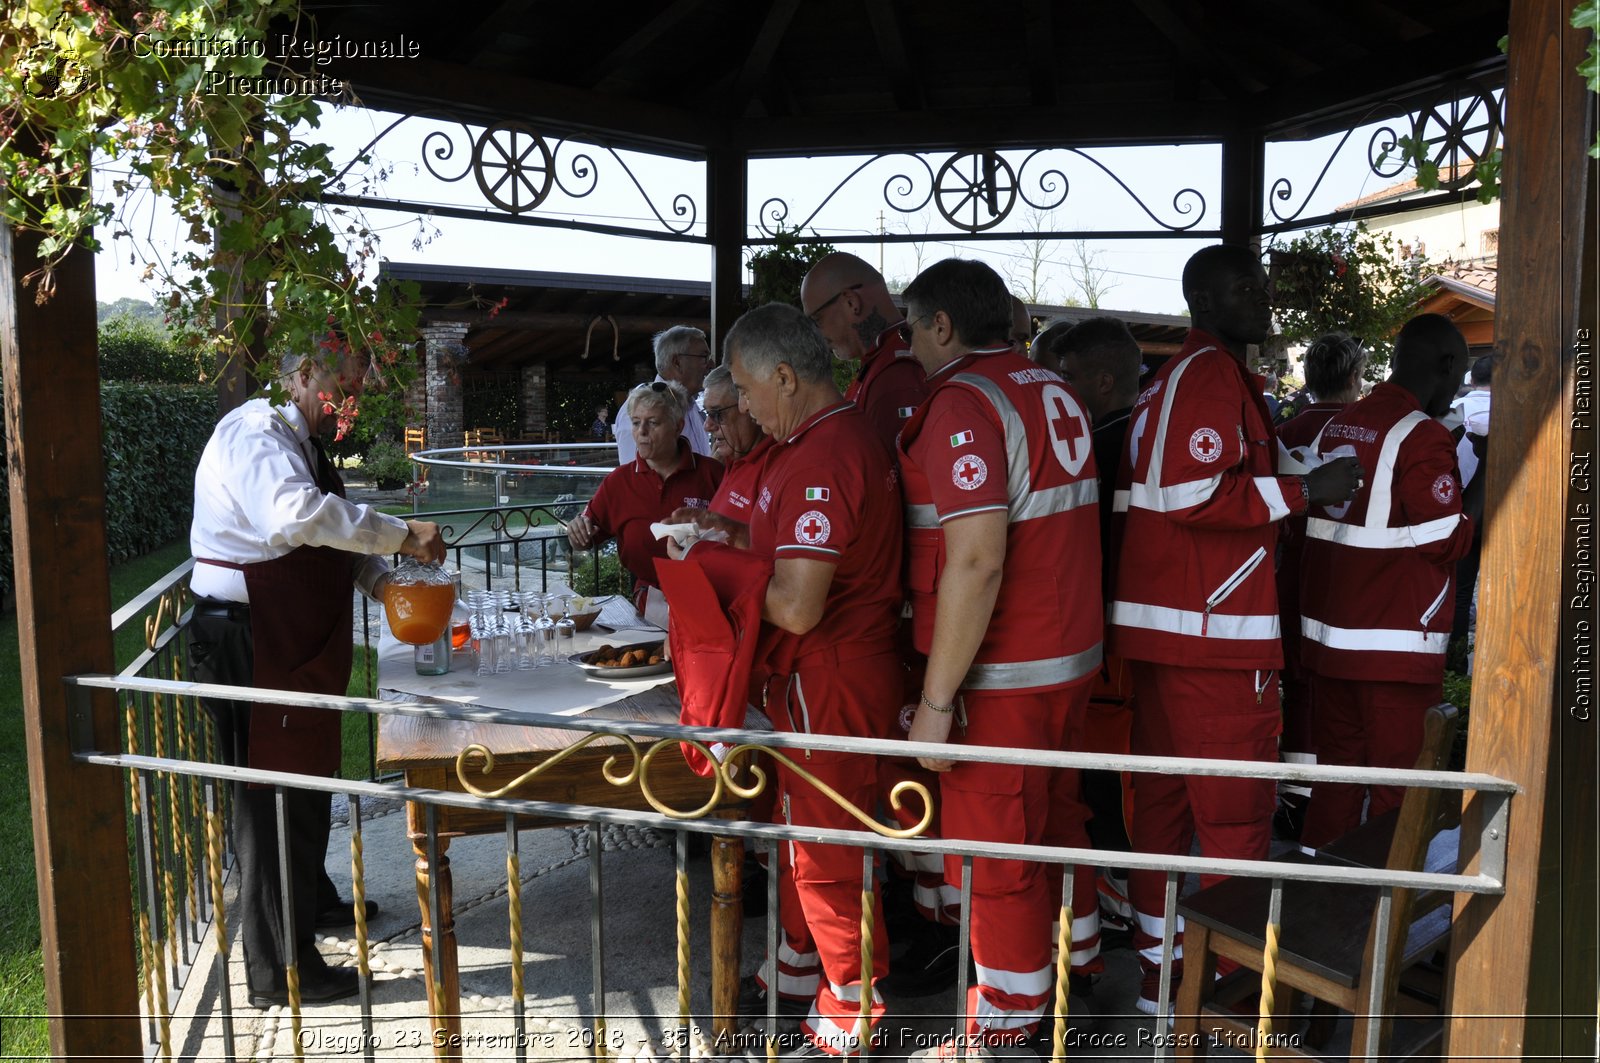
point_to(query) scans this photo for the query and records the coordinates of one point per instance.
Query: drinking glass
(546, 631)
(566, 631)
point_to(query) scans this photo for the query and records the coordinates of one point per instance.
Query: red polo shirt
(737, 494)
(889, 386)
(830, 492)
(633, 496)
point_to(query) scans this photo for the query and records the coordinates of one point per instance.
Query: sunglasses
(816, 314)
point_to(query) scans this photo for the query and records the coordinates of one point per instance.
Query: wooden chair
(415, 440)
(479, 437)
(1327, 937)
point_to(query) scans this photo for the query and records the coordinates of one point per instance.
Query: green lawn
(21, 978)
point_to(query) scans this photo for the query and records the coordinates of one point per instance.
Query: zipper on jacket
(1261, 684)
(1230, 585)
(1434, 608)
(805, 713)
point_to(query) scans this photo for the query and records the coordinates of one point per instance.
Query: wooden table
(425, 750)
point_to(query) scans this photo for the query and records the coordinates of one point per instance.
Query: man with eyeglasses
(851, 304)
(738, 442)
(683, 355)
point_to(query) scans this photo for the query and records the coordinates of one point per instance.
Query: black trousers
(221, 651)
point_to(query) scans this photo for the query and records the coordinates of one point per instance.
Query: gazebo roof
(875, 75)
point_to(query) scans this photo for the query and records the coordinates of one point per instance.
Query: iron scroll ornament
(517, 170)
(1462, 122)
(723, 780)
(976, 191)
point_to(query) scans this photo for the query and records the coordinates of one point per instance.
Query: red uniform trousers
(1211, 713)
(827, 880)
(1012, 903)
(1372, 724)
(1068, 827)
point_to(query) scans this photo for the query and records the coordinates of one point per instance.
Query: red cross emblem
(1205, 445)
(1069, 428)
(812, 528)
(969, 472)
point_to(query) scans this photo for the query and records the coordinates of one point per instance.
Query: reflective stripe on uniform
(1165, 499)
(1191, 622)
(1381, 538)
(1376, 639)
(1022, 675)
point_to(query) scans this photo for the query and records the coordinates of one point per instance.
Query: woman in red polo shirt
(665, 476)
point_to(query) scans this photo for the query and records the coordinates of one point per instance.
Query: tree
(1348, 279)
(1028, 277)
(1085, 271)
(221, 137)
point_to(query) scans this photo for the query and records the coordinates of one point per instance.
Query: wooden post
(1508, 953)
(52, 391)
(1243, 160)
(725, 213)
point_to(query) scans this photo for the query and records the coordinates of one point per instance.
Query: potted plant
(388, 465)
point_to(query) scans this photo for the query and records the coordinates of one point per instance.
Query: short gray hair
(668, 394)
(669, 343)
(719, 377)
(779, 333)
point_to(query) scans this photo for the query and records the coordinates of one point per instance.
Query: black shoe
(1290, 818)
(753, 1005)
(342, 914)
(333, 983)
(929, 965)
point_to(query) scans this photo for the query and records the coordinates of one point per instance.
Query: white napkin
(683, 534)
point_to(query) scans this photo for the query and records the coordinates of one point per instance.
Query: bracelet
(1305, 490)
(937, 708)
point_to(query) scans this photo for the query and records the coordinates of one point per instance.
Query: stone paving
(640, 970)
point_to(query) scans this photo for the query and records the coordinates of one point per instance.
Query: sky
(1175, 183)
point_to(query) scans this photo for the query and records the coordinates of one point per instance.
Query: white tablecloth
(557, 689)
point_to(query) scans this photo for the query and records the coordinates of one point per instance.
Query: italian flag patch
(816, 494)
(960, 438)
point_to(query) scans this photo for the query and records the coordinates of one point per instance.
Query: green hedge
(153, 435)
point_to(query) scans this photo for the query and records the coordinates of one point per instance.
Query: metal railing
(154, 773)
(492, 474)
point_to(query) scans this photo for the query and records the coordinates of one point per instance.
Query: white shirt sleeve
(627, 449)
(256, 498)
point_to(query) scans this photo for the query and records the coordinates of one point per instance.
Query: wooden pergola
(729, 81)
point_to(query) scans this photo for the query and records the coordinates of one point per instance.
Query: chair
(1327, 932)
(415, 440)
(479, 437)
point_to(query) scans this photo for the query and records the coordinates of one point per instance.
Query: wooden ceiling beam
(759, 58)
(550, 321)
(473, 36)
(608, 79)
(948, 129)
(426, 86)
(1206, 57)
(890, 35)
(1039, 28)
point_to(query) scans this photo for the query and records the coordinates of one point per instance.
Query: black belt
(215, 607)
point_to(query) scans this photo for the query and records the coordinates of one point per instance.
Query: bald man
(849, 301)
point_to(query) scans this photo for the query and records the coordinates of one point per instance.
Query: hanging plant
(221, 137)
(1349, 279)
(777, 269)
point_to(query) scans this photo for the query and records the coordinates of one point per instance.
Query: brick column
(535, 400)
(441, 344)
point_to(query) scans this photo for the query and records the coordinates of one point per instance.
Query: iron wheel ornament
(513, 166)
(973, 182)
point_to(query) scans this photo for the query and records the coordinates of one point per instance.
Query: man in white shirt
(682, 354)
(277, 549)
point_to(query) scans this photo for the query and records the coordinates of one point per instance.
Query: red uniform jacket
(889, 386)
(1201, 500)
(1375, 576)
(1297, 433)
(998, 433)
